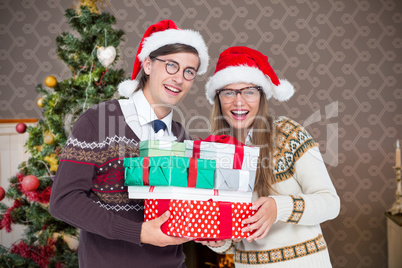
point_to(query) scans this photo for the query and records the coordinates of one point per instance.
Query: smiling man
(170, 79)
(89, 192)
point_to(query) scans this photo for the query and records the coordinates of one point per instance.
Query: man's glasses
(173, 67)
(249, 94)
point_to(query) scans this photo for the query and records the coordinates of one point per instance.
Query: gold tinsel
(91, 4)
(52, 162)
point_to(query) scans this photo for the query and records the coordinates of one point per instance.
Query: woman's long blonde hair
(263, 136)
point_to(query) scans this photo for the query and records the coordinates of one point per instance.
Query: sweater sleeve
(312, 198)
(227, 248)
(318, 202)
(70, 199)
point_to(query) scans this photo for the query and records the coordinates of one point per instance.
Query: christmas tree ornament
(21, 128)
(2, 193)
(30, 183)
(41, 197)
(39, 102)
(106, 55)
(48, 138)
(91, 4)
(58, 150)
(51, 159)
(7, 218)
(50, 81)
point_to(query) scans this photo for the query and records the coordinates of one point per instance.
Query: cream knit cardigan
(305, 198)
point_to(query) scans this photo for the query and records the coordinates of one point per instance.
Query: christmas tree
(89, 50)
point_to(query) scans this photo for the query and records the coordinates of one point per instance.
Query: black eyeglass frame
(166, 68)
(238, 91)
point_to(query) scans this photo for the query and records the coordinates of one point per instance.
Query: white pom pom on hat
(243, 64)
(127, 87)
(158, 35)
(284, 91)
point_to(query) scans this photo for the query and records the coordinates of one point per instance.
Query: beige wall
(344, 58)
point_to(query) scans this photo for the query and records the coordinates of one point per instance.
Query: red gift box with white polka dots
(205, 220)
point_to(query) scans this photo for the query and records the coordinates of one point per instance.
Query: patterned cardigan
(305, 197)
(89, 193)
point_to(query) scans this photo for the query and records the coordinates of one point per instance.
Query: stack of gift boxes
(206, 185)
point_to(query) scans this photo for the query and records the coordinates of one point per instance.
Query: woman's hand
(262, 220)
(212, 244)
(220, 243)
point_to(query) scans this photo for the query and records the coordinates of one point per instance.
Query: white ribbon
(164, 145)
(166, 138)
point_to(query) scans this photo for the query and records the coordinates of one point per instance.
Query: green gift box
(161, 148)
(169, 171)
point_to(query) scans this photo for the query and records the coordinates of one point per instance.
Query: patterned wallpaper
(344, 58)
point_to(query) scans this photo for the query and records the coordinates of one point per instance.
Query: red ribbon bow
(223, 139)
(239, 148)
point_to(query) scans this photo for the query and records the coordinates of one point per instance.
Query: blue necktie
(158, 125)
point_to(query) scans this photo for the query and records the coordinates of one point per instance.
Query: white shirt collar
(249, 137)
(145, 112)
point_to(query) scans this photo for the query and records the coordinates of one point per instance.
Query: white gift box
(161, 148)
(234, 179)
(183, 193)
(224, 154)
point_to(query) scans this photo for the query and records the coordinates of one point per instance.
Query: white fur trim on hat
(127, 87)
(173, 36)
(237, 74)
(247, 74)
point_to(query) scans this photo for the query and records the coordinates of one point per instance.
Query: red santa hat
(158, 35)
(243, 64)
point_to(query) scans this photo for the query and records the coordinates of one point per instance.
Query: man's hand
(262, 220)
(152, 234)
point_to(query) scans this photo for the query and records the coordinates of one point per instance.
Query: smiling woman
(293, 192)
(239, 106)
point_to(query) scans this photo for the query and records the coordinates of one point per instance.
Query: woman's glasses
(173, 67)
(249, 94)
